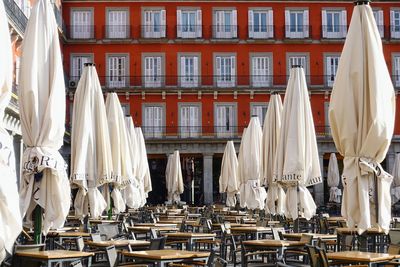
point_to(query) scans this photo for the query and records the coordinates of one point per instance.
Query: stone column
(18, 151)
(208, 178)
(319, 188)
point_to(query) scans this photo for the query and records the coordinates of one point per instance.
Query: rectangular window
(224, 121)
(259, 110)
(225, 71)
(261, 24)
(153, 121)
(260, 74)
(395, 23)
(189, 71)
(334, 23)
(297, 25)
(77, 63)
(225, 24)
(189, 23)
(153, 71)
(298, 60)
(82, 27)
(378, 15)
(117, 26)
(332, 63)
(396, 70)
(190, 121)
(117, 71)
(154, 24)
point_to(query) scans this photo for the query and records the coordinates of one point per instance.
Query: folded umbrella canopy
(120, 153)
(276, 197)
(228, 180)
(91, 163)
(361, 115)
(297, 162)
(252, 195)
(174, 180)
(333, 179)
(143, 170)
(42, 111)
(396, 179)
(10, 215)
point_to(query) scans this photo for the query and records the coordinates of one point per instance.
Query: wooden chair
(298, 255)
(76, 264)
(313, 255)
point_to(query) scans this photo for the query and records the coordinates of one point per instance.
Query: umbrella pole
(38, 212)
(376, 198)
(110, 210)
(298, 209)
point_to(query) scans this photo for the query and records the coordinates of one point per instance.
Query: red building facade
(192, 73)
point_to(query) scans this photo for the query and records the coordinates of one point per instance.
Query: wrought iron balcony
(153, 31)
(261, 32)
(81, 32)
(117, 32)
(297, 31)
(16, 15)
(334, 31)
(225, 31)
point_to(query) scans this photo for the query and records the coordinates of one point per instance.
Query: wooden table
(369, 236)
(270, 243)
(97, 221)
(157, 224)
(54, 256)
(369, 258)
(161, 258)
(190, 237)
(255, 231)
(297, 236)
(124, 243)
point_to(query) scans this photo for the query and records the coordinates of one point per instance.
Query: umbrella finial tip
(89, 64)
(361, 2)
(297, 66)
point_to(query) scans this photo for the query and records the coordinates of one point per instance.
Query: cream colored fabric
(395, 191)
(42, 112)
(91, 163)
(228, 180)
(252, 195)
(276, 198)
(297, 161)
(174, 180)
(143, 167)
(10, 215)
(361, 115)
(131, 192)
(333, 179)
(120, 152)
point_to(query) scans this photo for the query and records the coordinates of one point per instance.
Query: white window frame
(255, 110)
(394, 29)
(342, 31)
(188, 34)
(330, 74)
(266, 79)
(305, 33)
(269, 30)
(185, 80)
(396, 69)
(153, 78)
(148, 22)
(306, 66)
(151, 130)
(220, 29)
(75, 70)
(119, 29)
(222, 78)
(82, 29)
(378, 15)
(225, 131)
(116, 77)
(187, 127)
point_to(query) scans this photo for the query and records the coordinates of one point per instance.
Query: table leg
(190, 244)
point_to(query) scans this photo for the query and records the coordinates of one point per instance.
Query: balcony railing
(117, 31)
(189, 31)
(210, 81)
(297, 31)
(395, 31)
(208, 132)
(261, 31)
(334, 31)
(81, 32)
(153, 31)
(225, 31)
(16, 15)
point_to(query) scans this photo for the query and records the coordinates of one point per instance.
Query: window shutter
(306, 24)
(344, 23)
(196, 70)
(233, 68)
(147, 24)
(392, 28)
(158, 66)
(234, 23)
(183, 70)
(163, 22)
(381, 23)
(183, 118)
(218, 66)
(328, 69)
(178, 23)
(198, 23)
(251, 26)
(270, 29)
(287, 23)
(324, 24)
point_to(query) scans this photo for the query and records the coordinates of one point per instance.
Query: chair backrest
(322, 222)
(313, 255)
(306, 238)
(220, 263)
(210, 260)
(33, 247)
(323, 258)
(109, 230)
(80, 245)
(76, 264)
(157, 243)
(112, 256)
(153, 233)
(276, 231)
(209, 225)
(394, 236)
(96, 237)
(182, 227)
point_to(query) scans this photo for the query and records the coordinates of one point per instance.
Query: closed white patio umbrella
(228, 180)
(333, 179)
(276, 197)
(361, 115)
(121, 156)
(42, 111)
(252, 195)
(174, 180)
(91, 163)
(396, 179)
(143, 171)
(10, 215)
(297, 162)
